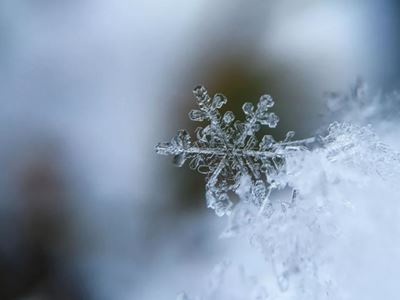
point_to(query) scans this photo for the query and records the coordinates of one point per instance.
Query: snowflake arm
(226, 150)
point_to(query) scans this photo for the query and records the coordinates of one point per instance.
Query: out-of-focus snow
(99, 80)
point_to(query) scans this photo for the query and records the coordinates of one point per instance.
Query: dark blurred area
(87, 88)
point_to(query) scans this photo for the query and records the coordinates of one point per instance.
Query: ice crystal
(363, 106)
(301, 240)
(226, 150)
(343, 183)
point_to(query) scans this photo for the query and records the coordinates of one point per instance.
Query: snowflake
(227, 151)
(338, 180)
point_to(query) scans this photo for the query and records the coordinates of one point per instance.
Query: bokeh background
(87, 88)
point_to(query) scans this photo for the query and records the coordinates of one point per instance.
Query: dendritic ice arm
(226, 150)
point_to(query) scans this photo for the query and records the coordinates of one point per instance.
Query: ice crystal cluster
(227, 150)
(361, 105)
(331, 227)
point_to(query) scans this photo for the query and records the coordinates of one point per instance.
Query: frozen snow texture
(226, 150)
(335, 237)
(363, 106)
(307, 240)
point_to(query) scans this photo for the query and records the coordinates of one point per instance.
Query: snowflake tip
(201, 94)
(273, 120)
(163, 148)
(289, 136)
(248, 108)
(266, 102)
(197, 115)
(218, 101)
(229, 117)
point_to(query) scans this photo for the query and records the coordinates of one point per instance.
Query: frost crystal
(344, 187)
(226, 150)
(361, 105)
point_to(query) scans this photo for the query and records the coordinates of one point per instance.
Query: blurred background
(87, 88)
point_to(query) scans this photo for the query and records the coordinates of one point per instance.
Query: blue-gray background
(87, 88)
